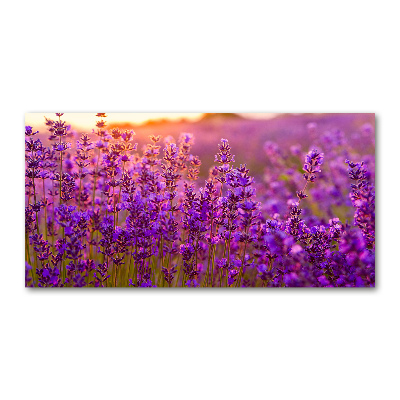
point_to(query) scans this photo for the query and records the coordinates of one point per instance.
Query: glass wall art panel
(199, 200)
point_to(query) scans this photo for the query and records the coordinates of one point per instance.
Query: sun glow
(88, 120)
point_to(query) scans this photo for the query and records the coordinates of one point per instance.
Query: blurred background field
(247, 133)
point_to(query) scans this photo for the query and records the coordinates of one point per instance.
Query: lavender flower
(313, 162)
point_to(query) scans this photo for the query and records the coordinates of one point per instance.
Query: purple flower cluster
(100, 213)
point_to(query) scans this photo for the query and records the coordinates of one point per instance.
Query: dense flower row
(99, 214)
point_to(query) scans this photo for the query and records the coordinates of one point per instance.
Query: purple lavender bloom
(313, 162)
(363, 199)
(29, 131)
(192, 283)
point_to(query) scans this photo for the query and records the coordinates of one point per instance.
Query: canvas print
(199, 200)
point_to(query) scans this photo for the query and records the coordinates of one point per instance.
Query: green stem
(61, 160)
(95, 179)
(34, 196)
(119, 193)
(242, 266)
(114, 206)
(45, 211)
(228, 258)
(54, 219)
(80, 188)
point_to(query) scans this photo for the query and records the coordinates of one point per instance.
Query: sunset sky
(88, 120)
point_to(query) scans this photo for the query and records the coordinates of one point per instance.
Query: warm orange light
(87, 121)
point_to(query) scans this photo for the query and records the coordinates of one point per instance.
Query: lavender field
(237, 202)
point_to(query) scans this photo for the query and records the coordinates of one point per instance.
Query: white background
(209, 56)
